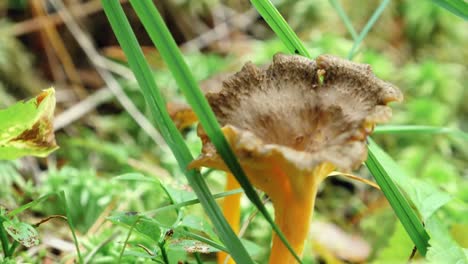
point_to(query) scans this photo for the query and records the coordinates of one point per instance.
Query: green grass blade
(344, 17)
(456, 7)
(163, 40)
(375, 16)
(156, 104)
(281, 28)
(375, 165)
(20, 209)
(376, 162)
(4, 238)
(409, 129)
(63, 199)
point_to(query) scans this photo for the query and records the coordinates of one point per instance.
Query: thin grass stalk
(410, 129)
(346, 21)
(375, 16)
(171, 135)
(4, 238)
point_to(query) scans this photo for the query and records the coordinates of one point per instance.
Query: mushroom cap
(298, 113)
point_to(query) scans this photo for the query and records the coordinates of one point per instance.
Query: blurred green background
(417, 45)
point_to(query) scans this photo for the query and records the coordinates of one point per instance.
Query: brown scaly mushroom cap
(299, 112)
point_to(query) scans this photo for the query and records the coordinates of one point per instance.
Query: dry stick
(110, 81)
(222, 30)
(82, 108)
(104, 94)
(35, 24)
(53, 63)
(356, 178)
(56, 42)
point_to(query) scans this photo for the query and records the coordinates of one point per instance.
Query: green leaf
(456, 7)
(143, 226)
(198, 224)
(398, 249)
(26, 128)
(427, 198)
(443, 248)
(171, 135)
(181, 232)
(381, 165)
(191, 246)
(24, 233)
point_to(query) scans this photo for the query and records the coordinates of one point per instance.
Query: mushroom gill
(293, 123)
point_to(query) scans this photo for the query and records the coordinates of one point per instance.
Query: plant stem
(163, 251)
(294, 206)
(4, 239)
(13, 247)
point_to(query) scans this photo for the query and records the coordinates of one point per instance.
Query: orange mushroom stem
(231, 211)
(293, 123)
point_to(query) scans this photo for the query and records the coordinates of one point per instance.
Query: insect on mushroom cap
(287, 114)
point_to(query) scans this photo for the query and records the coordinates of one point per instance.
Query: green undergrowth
(128, 201)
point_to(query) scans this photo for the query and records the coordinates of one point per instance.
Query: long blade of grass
(376, 162)
(163, 40)
(342, 14)
(409, 129)
(279, 25)
(171, 135)
(20, 209)
(404, 212)
(375, 16)
(456, 7)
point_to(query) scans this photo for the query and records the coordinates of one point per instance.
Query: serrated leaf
(24, 233)
(26, 128)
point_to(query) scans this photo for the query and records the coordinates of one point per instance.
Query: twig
(56, 42)
(82, 108)
(36, 23)
(356, 178)
(110, 81)
(222, 30)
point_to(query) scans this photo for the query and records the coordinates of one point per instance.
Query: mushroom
(291, 125)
